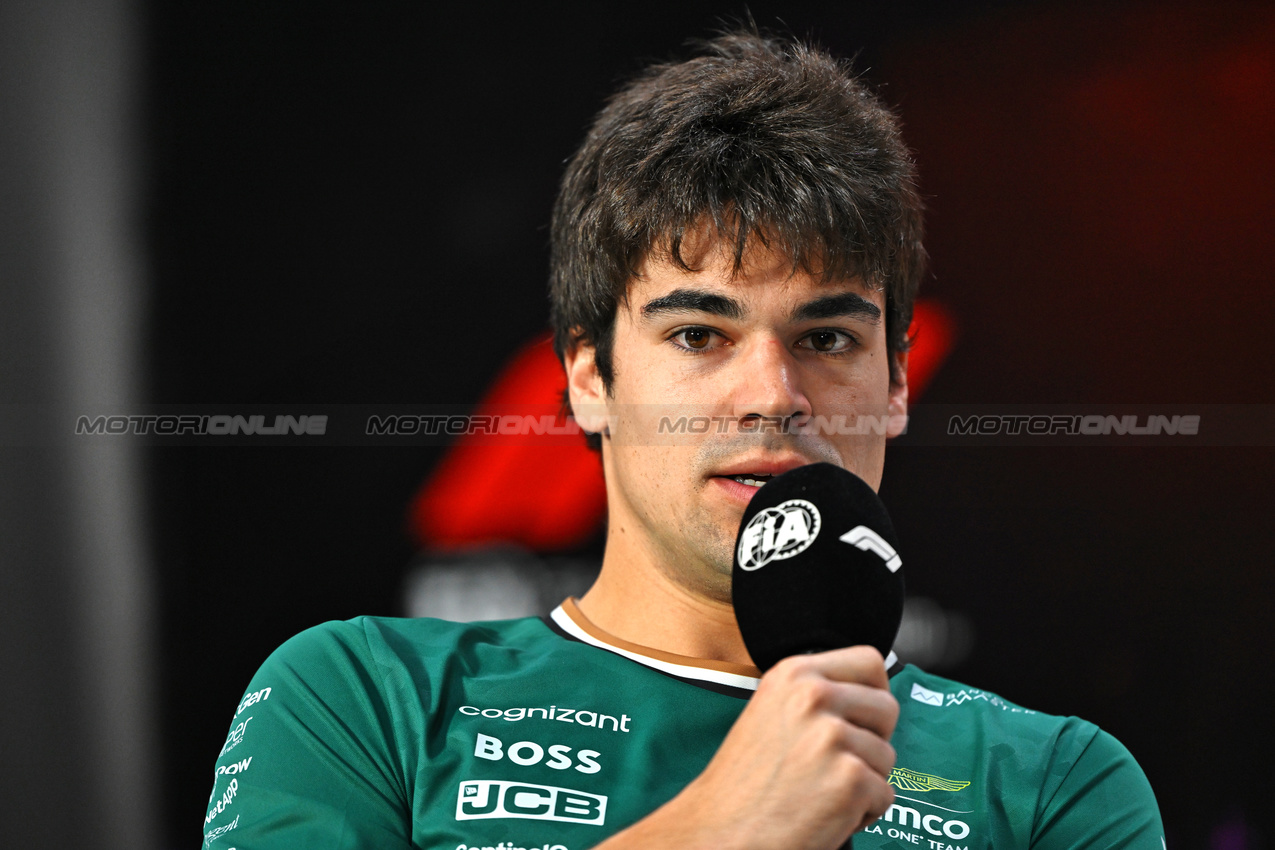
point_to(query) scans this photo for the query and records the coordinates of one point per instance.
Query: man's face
(753, 360)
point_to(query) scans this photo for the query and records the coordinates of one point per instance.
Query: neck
(634, 599)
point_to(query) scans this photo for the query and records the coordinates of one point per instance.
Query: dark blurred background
(330, 204)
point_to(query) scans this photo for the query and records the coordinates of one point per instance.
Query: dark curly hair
(759, 137)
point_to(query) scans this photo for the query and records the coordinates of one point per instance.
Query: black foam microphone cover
(816, 566)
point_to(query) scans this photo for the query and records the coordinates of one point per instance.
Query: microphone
(816, 567)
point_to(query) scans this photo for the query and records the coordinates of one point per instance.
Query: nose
(770, 384)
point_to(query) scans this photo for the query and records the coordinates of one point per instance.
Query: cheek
(855, 393)
(865, 383)
(656, 479)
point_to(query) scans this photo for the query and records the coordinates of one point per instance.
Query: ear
(584, 387)
(897, 408)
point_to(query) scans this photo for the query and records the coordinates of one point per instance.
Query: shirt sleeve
(310, 759)
(1103, 799)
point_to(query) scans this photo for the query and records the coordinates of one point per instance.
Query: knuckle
(831, 734)
(868, 655)
(812, 695)
(853, 773)
(790, 668)
(799, 691)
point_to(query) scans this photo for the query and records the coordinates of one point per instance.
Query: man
(738, 235)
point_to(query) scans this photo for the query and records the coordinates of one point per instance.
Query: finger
(872, 749)
(868, 708)
(861, 664)
(802, 683)
(882, 797)
(871, 793)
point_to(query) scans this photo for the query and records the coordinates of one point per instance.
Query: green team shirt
(549, 734)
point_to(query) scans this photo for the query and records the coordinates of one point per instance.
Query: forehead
(761, 274)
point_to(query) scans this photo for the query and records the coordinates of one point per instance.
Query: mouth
(749, 479)
(745, 476)
(757, 470)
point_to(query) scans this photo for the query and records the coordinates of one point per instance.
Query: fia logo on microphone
(777, 533)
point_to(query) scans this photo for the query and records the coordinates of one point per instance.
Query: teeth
(749, 480)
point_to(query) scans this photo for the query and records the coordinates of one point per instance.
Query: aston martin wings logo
(910, 780)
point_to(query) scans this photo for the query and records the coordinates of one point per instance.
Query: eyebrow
(845, 304)
(693, 301)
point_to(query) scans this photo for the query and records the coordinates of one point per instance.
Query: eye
(694, 339)
(827, 342)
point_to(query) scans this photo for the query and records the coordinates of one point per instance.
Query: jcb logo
(491, 798)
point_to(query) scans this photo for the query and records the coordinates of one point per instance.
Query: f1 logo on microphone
(864, 538)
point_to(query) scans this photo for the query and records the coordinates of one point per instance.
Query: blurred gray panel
(78, 734)
(493, 583)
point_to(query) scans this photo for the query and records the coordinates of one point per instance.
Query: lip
(741, 494)
(765, 465)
